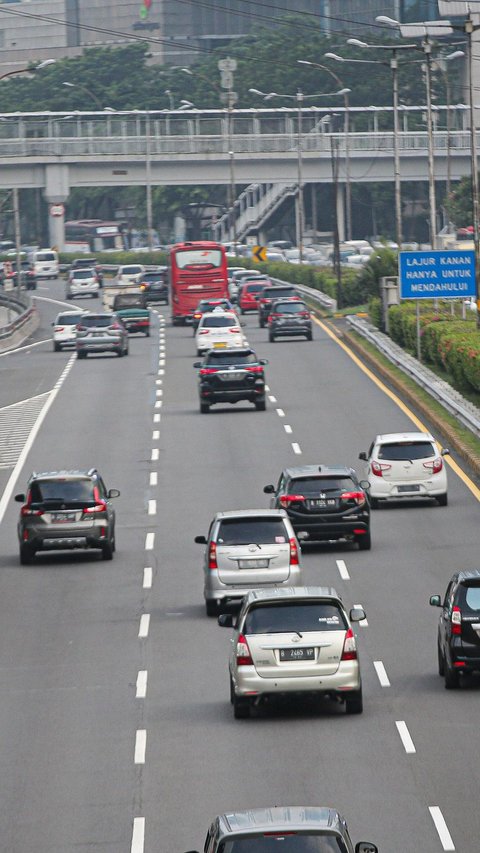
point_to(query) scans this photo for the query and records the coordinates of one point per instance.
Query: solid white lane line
(155, 435)
(272, 398)
(382, 673)
(138, 835)
(155, 454)
(153, 478)
(149, 541)
(363, 622)
(147, 577)
(405, 736)
(296, 448)
(343, 570)
(152, 507)
(280, 413)
(156, 418)
(441, 827)
(144, 625)
(141, 684)
(20, 349)
(140, 746)
(287, 428)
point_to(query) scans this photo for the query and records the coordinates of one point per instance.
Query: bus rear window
(188, 258)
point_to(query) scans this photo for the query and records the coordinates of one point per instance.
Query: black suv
(458, 640)
(231, 375)
(66, 510)
(324, 503)
(268, 295)
(289, 317)
(154, 285)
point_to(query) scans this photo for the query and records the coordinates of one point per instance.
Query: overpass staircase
(253, 207)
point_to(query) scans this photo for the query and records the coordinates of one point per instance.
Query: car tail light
(207, 371)
(234, 330)
(358, 497)
(115, 326)
(293, 552)
(286, 500)
(349, 646)
(203, 331)
(28, 511)
(274, 316)
(197, 316)
(456, 621)
(244, 657)
(81, 328)
(435, 465)
(379, 467)
(304, 314)
(256, 369)
(59, 328)
(101, 506)
(212, 556)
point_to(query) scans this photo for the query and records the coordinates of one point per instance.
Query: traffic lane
(225, 456)
(69, 628)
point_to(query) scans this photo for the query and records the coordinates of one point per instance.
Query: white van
(45, 263)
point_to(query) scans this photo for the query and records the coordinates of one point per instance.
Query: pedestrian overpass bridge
(58, 151)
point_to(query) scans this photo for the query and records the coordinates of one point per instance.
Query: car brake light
(80, 328)
(115, 326)
(234, 330)
(207, 371)
(197, 316)
(358, 497)
(256, 369)
(27, 510)
(212, 556)
(285, 500)
(435, 465)
(304, 314)
(456, 621)
(59, 328)
(203, 331)
(274, 316)
(293, 552)
(244, 657)
(349, 646)
(101, 506)
(379, 467)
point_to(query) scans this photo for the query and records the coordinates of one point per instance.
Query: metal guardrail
(326, 302)
(23, 308)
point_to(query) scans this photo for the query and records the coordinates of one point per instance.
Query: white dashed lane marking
(147, 577)
(343, 570)
(155, 454)
(152, 507)
(144, 625)
(287, 428)
(296, 448)
(381, 673)
(149, 541)
(441, 827)
(140, 746)
(155, 435)
(405, 737)
(142, 678)
(138, 835)
(153, 478)
(272, 398)
(280, 413)
(156, 418)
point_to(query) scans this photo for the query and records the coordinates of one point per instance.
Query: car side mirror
(269, 490)
(366, 847)
(363, 456)
(302, 535)
(264, 361)
(226, 620)
(200, 540)
(357, 614)
(197, 364)
(435, 600)
(445, 452)
(20, 499)
(113, 493)
(365, 484)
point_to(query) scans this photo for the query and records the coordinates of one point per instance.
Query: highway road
(116, 732)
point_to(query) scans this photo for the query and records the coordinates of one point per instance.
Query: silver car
(293, 641)
(248, 549)
(82, 282)
(101, 333)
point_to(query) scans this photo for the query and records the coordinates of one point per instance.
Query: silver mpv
(248, 549)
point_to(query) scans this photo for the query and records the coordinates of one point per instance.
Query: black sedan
(229, 376)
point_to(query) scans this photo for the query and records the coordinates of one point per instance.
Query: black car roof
(318, 470)
(237, 351)
(465, 576)
(62, 475)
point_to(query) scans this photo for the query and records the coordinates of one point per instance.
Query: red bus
(198, 270)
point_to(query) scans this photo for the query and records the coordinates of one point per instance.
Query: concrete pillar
(340, 202)
(57, 190)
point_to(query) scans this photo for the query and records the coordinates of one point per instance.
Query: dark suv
(231, 375)
(154, 285)
(66, 510)
(268, 295)
(289, 317)
(458, 640)
(324, 503)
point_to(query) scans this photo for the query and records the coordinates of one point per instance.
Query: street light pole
(148, 175)
(427, 49)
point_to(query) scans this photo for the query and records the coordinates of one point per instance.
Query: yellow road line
(401, 405)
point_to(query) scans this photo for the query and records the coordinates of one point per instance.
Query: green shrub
(375, 312)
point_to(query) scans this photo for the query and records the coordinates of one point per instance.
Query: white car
(128, 273)
(219, 330)
(406, 465)
(64, 329)
(82, 282)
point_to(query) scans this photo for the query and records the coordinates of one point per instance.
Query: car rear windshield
(102, 320)
(298, 616)
(45, 256)
(253, 288)
(212, 322)
(469, 596)
(68, 319)
(206, 306)
(400, 451)
(312, 486)
(294, 843)
(133, 270)
(83, 273)
(290, 308)
(216, 359)
(154, 277)
(252, 531)
(62, 491)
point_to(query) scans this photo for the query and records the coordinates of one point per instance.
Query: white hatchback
(65, 329)
(219, 330)
(406, 465)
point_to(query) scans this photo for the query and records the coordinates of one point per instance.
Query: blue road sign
(437, 275)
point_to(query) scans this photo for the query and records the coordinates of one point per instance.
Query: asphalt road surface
(116, 732)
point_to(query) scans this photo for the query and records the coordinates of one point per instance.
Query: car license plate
(219, 345)
(235, 376)
(319, 503)
(297, 654)
(413, 488)
(253, 564)
(62, 517)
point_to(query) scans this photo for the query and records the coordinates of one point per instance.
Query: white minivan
(45, 263)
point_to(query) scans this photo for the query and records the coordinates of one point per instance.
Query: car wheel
(57, 347)
(119, 353)
(364, 542)
(441, 661)
(443, 500)
(261, 324)
(354, 703)
(309, 336)
(211, 607)
(232, 691)
(199, 352)
(271, 338)
(147, 333)
(452, 679)
(241, 708)
(27, 555)
(107, 551)
(81, 354)
(204, 408)
(260, 405)
(374, 503)
(69, 296)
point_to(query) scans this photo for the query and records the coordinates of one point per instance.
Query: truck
(130, 307)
